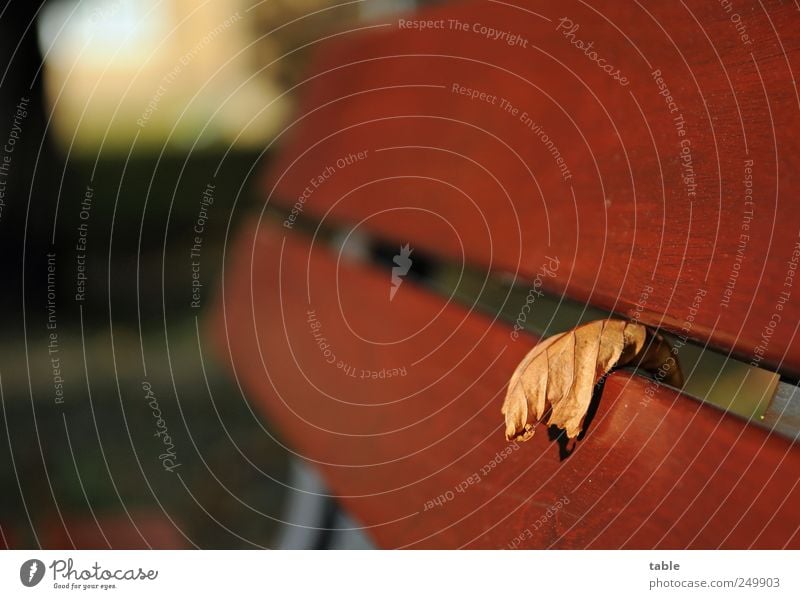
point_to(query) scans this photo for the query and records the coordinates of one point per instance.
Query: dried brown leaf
(559, 374)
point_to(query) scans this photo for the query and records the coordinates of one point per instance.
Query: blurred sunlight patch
(176, 74)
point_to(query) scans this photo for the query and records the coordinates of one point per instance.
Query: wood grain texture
(472, 180)
(420, 459)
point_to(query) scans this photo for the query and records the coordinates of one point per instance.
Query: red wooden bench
(495, 138)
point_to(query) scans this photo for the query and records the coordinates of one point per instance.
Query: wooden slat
(466, 179)
(664, 472)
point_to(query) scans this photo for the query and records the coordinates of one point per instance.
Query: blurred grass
(225, 496)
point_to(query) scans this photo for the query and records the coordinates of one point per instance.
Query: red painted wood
(466, 179)
(664, 472)
(142, 530)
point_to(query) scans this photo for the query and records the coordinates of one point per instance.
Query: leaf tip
(512, 434)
